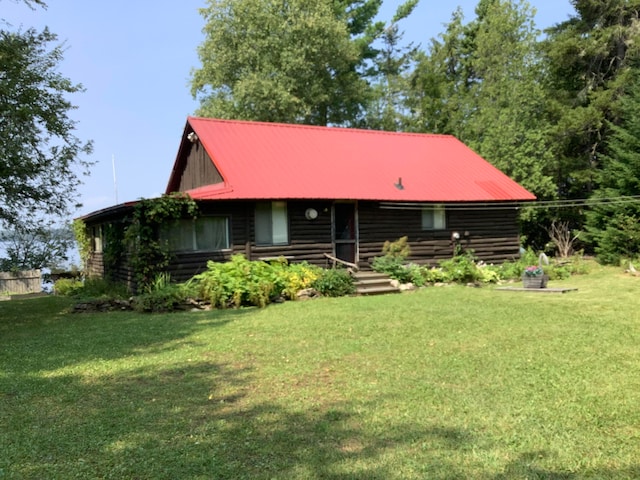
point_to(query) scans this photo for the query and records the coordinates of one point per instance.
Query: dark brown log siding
(492, 234)
(199, 169)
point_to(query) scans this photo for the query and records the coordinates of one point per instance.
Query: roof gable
(270, 160)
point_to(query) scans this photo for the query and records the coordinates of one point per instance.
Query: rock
(307, 294)
(406, 287)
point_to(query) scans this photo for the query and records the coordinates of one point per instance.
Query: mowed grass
(442, 383)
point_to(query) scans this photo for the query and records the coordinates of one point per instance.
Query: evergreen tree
(613, 223)
(586, 56)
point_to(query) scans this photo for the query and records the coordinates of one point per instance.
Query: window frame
(270, 220)
(438, 218)
(192, 223)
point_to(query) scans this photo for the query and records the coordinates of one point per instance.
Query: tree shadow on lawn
(50, 338)
(197, 420)
(525, 466)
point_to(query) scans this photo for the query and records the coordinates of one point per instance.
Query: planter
(535, 281)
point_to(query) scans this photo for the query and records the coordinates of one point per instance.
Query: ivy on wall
(148, 254)
(84, 243)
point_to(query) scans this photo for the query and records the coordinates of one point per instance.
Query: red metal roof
(270, 160)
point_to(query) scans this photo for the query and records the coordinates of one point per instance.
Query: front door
(345, 232)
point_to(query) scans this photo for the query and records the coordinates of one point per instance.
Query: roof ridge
(319, 127)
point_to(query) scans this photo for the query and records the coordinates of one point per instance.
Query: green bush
(163, 296)
(90, 288)
(239, 282)
(295, 277)
(393, 266)
(67, 287)
(335, 282)
(461, 268)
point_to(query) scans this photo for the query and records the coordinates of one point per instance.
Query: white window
(434, 218)
(272, 223)
(201, 234)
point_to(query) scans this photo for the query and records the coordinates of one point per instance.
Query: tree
(35, 245)
(613, 222)
(280, 61)
(587, 57)
(387, 109)
(40, 153)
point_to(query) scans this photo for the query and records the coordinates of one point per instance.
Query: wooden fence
(27, 281)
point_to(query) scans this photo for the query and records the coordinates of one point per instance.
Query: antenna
(115, 183)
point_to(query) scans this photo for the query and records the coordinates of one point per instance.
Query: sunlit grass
(449, 382)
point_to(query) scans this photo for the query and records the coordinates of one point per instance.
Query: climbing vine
(84, 243)
(148, 254)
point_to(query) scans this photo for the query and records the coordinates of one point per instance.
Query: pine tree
(613, 223)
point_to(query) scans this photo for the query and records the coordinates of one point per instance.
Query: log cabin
(320, 194)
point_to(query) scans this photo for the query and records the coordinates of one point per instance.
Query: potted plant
(534, 277)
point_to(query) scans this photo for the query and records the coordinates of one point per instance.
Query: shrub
(335, 282)
(239, 282)
(295, 277)
(90, 288)
(162, 296)
(67, 287)
(398, 249)
(393, 266)
(461, 268)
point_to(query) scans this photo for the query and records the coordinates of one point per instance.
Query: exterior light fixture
(192, 137)
(311, 214)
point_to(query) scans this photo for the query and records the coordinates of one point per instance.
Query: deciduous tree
(41, 156)
(293, 61)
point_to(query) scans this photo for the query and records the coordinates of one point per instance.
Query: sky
(134, 59)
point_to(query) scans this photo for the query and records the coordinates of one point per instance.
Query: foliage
(83, 241)
(41, 156)
(591, 57)
(461, 268)
(269, 60)
(114, 246)
(68, 287)
(239, 282)
(295, 277)
(148, 254)
(162, 296)
(613, 222)
(394, 266)
(386, 108)
(334, 282)
(397, 249)
(90, 288)
(35, 244)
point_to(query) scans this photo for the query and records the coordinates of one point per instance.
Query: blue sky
(135, 57)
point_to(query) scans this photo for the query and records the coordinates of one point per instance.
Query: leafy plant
(335, 282)
(83, 241)
(239, 282)
(162, 296)
(67, 287)
(148, 255)
(462, 268)
(397, 249)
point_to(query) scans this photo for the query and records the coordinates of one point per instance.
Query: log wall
(492, 234)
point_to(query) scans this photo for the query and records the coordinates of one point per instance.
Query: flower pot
(535, 281)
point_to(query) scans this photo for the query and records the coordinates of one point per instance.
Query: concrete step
(373, 283)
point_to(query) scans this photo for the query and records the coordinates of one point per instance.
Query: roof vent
(399, 185)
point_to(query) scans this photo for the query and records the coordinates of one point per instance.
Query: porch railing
(334, 261)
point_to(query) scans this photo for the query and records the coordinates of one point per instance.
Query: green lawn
(442, 383)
